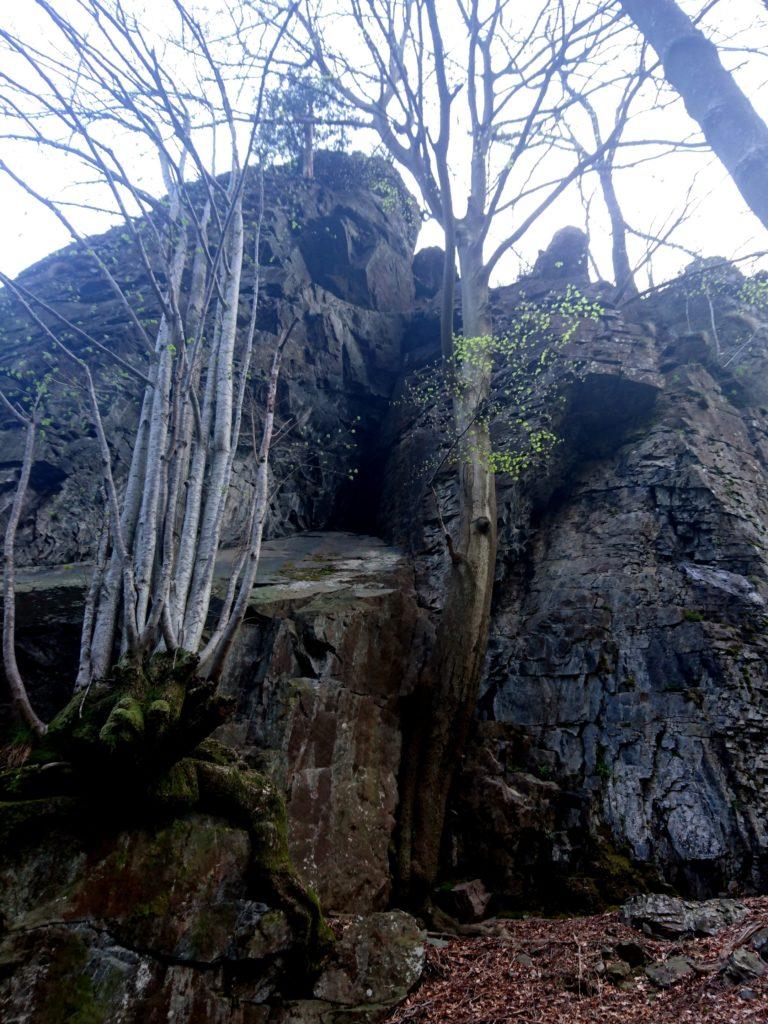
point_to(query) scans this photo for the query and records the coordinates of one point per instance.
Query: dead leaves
(549, 972)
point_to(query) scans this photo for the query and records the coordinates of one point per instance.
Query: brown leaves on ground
(540, 971)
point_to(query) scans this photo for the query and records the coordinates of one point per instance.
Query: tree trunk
(622, 269)
(447, 692)
(308, 154)
(19, 697)
(692, 65)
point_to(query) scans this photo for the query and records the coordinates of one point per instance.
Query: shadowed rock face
(629, 645)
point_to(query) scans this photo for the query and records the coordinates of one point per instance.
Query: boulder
(632, 953)
(617, 971)
(317, 676)
(745, 965)
(667, 973)
(565, 258)
(467, 901)
(377, 960)
(669, 917)
(759, 942)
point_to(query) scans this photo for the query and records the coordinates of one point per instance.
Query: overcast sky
(650, 195)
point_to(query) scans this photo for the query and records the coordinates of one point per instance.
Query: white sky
(650, 194)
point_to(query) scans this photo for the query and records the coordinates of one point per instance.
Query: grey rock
(745, 965)
(669, 917)
(669, 972)
(759, 942)
(378, 960)
(136, 926)
(335, 255)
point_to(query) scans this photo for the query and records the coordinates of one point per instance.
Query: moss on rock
(138, 748)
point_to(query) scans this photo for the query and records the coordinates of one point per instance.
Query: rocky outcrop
(318, 674)
(330, 648)
(621, 730)
(628, 642)
(336, 253)
(626, 663)
(667, 917)
(156, 923)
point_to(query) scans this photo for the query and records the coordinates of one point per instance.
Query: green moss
(177, 789)
(124, 724)
(137, 746)
(216, 753)
(603, 770)
(692, 616)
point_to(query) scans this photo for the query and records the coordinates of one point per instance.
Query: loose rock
(667, 973)
(668, 917)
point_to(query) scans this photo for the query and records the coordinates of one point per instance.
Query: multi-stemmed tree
(151, 589)
(100, 98)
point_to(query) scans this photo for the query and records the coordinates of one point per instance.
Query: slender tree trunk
(19, 695)
(308, 155)
(108, 605)
(220, 471)
(622, 268)
(214, 655)
(692, 65)
(447, 693)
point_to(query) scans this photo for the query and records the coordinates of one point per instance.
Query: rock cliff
(620, 734)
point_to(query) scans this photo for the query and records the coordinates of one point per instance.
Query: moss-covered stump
(135, 724)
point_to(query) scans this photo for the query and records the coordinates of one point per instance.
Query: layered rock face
(629, 644)
(626, 661)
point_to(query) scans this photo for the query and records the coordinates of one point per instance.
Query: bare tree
(158, 578)
(604, 166)
(390, 62)
(147, 682)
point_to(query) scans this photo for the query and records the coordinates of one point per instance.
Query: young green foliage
(526, 363)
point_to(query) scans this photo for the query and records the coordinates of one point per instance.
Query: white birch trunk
(220, 469)
(18, 690)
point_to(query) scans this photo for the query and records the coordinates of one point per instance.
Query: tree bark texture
(692, 65)
(447, 692)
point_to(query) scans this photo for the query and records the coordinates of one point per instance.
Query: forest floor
(564, 971)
